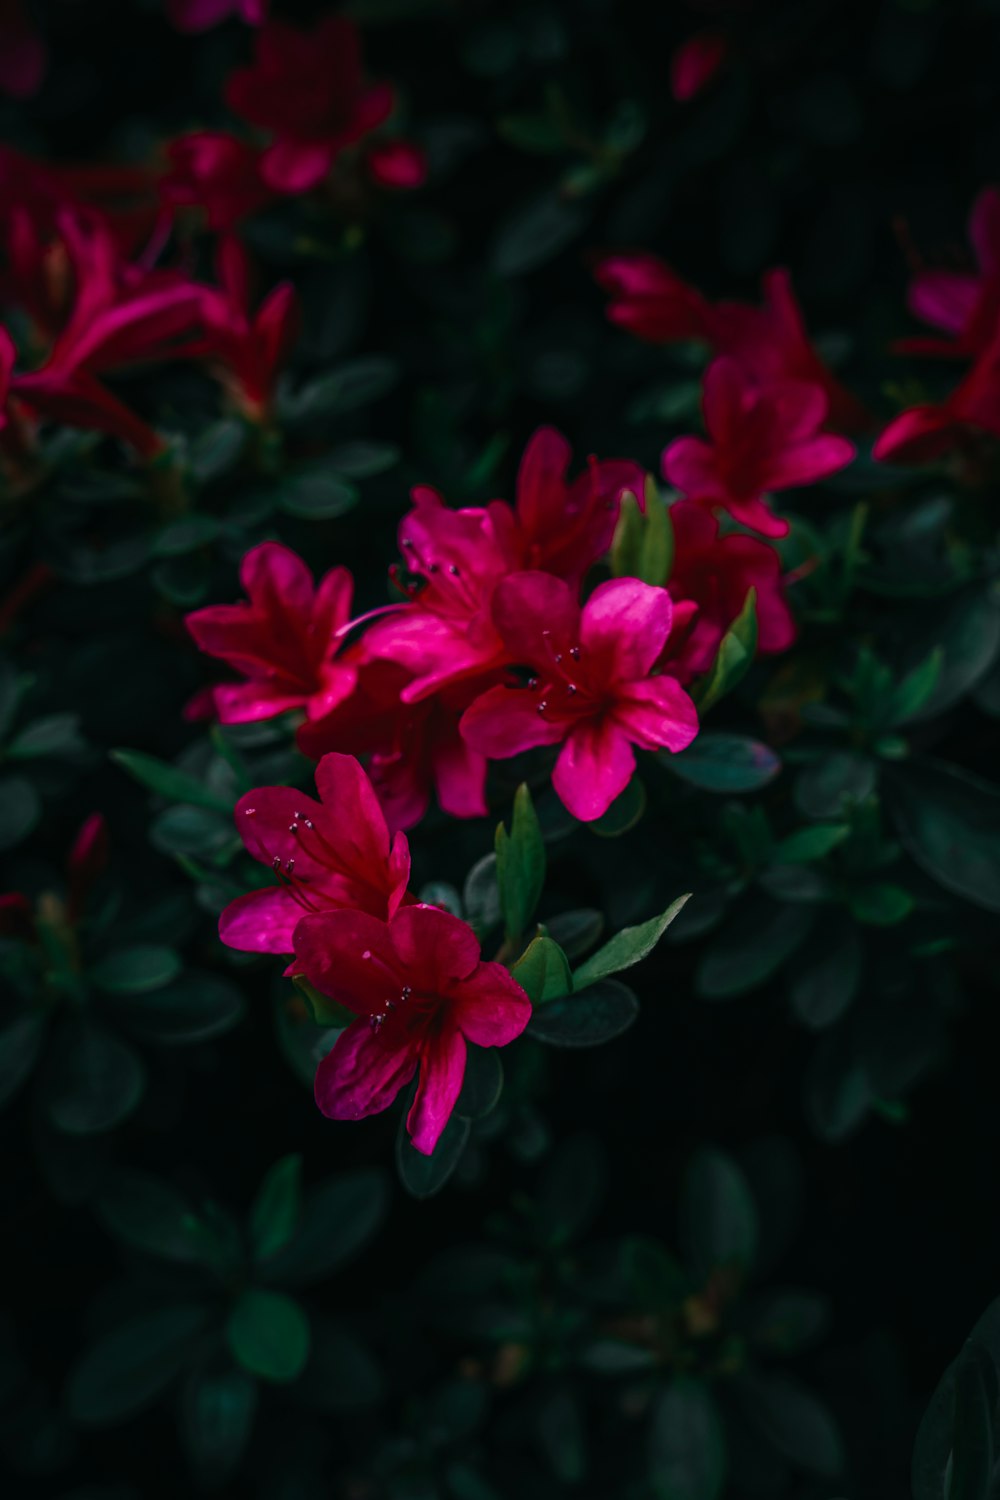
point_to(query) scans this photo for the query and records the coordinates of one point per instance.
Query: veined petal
(442, 1073)
(491, 1007)
(435, 947)
(657, 714)
(505, 721)
(349, 956)
(261, 922)
(594, 767)
(363, 1074)
(627, 622)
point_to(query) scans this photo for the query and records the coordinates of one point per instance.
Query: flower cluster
(495, 647)
(410, 973)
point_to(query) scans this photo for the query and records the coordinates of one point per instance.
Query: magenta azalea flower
(326, 856)
(928, 432)
(216, 172)
(716, 574)
(696, 62)
(964, 304)
(282, 640)
(248, 349)
(396, 164)
(651, 300)
(420, 991)
(593, 693)
(761, 439)
(308, 89)
(201, 15)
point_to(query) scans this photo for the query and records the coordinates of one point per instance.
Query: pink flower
(695, 63)
(716, 574)
(86, 862)
(420, 991)
(214, 171)
(283, 640)
(326, 856)
(761, 439)
(308, 89)
(397, 164)
(651, 300)
(23, 55)
(414, 750)
(249, 350)
(201, 15)
(927, 432)
(593, 694)
(965, 304)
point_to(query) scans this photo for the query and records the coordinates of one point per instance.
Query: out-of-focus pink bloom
(326, 856)
(965, 304)
(420, 991)
(201, 15)
(928, 432)
(17, 920)
(695, 63)
(651, 300)
(308, 89)
(593, 693)
(716, 573)
(761, 439)
(86, 861)
(23, 55)
(414, 750)
(248, 350)
(282, 641)
(122, 197)
(395, 163)
(213, 171)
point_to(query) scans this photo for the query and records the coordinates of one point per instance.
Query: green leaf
(20, 1044)
(559, 1422)
(338, 1219)
(571, 1187)
(809, 844)
(188, 535)
(268, 1334)
(147, 1213)
(796, 1424)
(216, 450)
(750, 948)
(481, 896)
(167, 781)
(966, 633)
(824, 981)
(915, 689)
(974, 1453)
(520, 867)
(216, 1418)
(932, 1451)
(949, 822)
(628, 947)
(686, 1452)
(361, 459)
(717, 1213)
(128, 1368)
(723, 763)
(587, 1018)
(575, 931)
(643, 545)
(191, 1009)
(540, 134)
(623, 814)
(734, 658)
(134, 970)
(655, 1280)
(93, 1079)
(536, 232)
(786, 1321)
(342, 1374)
(192, 831)
(483, 1083)
(349, 386)
(323, 1010)
(20, 810)
(832, 786)
(542, 971)
(879, 904)
(56, 734)
(317, 494)
(423, 1176)
(275, 1210)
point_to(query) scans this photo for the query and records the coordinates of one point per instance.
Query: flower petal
(594, 767)
(433, 947)
(491, 1007)
(363, 1074)
(349, 956)
(657, 714)
(505, 721)
(261, 922)
(628, 623)
(442, 1073)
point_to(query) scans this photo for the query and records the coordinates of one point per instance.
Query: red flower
(761, 439)
(86, 861)
(651, 300)
(201, 15)
(413, 749)
(395, 163)
(420, 991)
(214, 171)
(965, 304)
(326, 856)
(250, 350)
(283, 640)
(696, 62)
(307, 88)
(593, 693)
(927, 432)
(716, 574)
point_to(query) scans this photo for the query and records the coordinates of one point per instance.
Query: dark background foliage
(837, 135)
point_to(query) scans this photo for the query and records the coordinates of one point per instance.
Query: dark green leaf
(93, 1079)
(481, 896)
(949, 821)
(576, 931)
(966, 633)
(191, 1009)
(56, 734)
(561, 1431)
(795, 1423)
(536, 232)
(520, 866)
(831, 787)
(586, 1018)
(655, 1280)
(128, 1368)
(718, 1217)
(216, 1418)
(20, 1043)
(167, 781)
(134, 970)
(483, 1082)
(628, 947)
(734, 658)
(784, 1322)
(317, 494)
(268, 1334)
(542, 971)
(342, 1374)
(879, 904)
(571, 1188)
(809, 844)
(423, 1176)
(361, 460)
(974, 1452)
(825, 978)
(686, 1444)
(20, 810)
(275, 1210)
(338, 1219)
(751, 948)
(724, 763)
(623, 814)
(150, 1215)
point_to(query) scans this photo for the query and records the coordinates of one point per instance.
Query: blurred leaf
(752, 947)
(147, 1213)
(575, 931)
(909, 696)
(830, 787)
(20, 1044)
(345, 388)
(481, 896)
(134, 970)
(275, 1210)
(167, 781)
(724, 763)
(423, 1176)
(974, 1451)
(342, 1374)
(20, 810)
(824, 980)
(216, 1418)
(561, 1431)
(587, 1018)
(361, 459)
(338, 1219)
(318, 493)
(797, 1424)
(128, 1368)
(268, 1334)
(808, 844)
(786, 1321)
(92, 1079)
(879, 904)
(193, 1008)
(628, 947)
(949, 822)
(717, 1214)
(686, 1446)
(56, 734)
(536, 232)
(571, 1188)
(733, 659)
(483, 1082)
